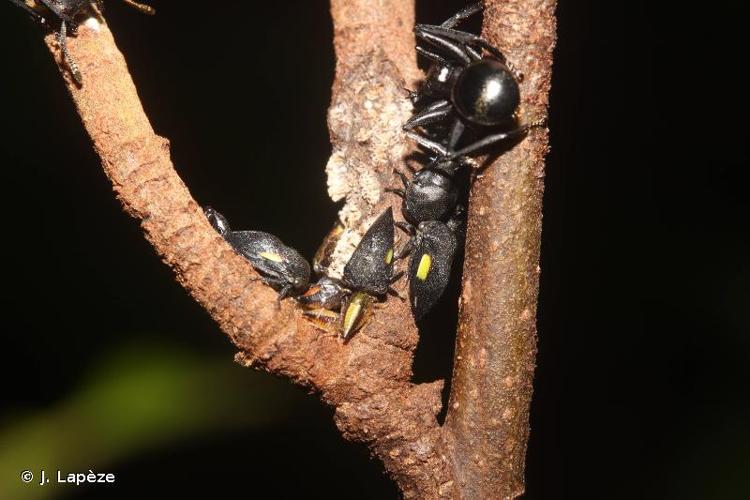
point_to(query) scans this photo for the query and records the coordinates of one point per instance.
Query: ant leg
(432, 56)
(61, 39)
(444, 43)
(493, 139)
(142, 7)
(444, 155)
(463, 14)
(468, 39)
(488, 141)
(431, 114)
(426, 143)
(475, 55)
(404, 181)
(456, 131)
(458, 37)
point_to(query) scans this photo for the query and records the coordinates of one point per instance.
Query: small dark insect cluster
(64, 15)
(367, 276)
(466, 104)
(471, 91)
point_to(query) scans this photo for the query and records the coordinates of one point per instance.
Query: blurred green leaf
(143, 397)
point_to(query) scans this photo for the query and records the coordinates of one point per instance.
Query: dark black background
(643, 318)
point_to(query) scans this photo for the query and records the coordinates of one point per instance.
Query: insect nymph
(367, 277)
(281, 266)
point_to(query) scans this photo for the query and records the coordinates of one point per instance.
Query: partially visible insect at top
(471, 81)
(69, 13)
(281, 266)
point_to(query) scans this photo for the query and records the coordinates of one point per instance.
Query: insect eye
(423, 270)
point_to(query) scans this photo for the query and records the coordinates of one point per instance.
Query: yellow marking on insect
(425, 264)
(358, 310)
(273, 257)
(389, 256)
(352, 315)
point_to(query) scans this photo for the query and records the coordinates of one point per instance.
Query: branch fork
(479, 452)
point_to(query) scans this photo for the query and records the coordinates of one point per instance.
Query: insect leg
(463, 14)
(428, 144)
(456, 132)
(493, 139)
(404, 181)
(431, 114)
(61, 38)
(449, 46)
(142, 7)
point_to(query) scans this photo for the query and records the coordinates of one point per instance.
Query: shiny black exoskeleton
(370, 268)
(431, 194)
(471, 81)
(367, 277)
(433, 248)
(369, 273)
(327, 293)
(429, 199)
(68, 14)
(281, 266)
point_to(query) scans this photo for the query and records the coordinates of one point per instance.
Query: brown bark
(368, 380)
(488, 415)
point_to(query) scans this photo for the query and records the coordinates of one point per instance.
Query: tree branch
(368, 380)
(488, 415)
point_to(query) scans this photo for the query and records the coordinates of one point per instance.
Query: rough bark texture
(375, 61)
(368, 380)
(488, 415)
